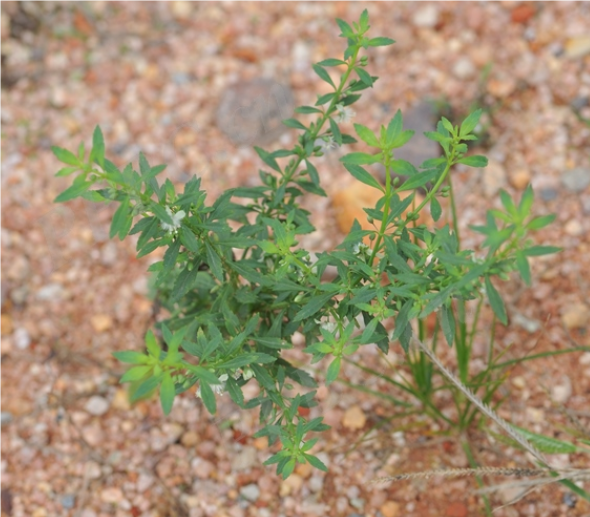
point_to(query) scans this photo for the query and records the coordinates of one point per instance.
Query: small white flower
(327, 143)
(248, 373)
(176, 218)
(359, 248)
(218, 389)
(345, 114)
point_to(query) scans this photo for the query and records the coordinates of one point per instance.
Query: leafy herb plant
(237, 293)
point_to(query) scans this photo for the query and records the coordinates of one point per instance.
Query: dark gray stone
(251, 112)
(576, 179)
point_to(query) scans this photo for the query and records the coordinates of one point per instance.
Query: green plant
(238, 293)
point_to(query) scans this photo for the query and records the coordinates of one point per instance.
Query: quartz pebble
(426, 16)
(576, 315)
(250, 492)
(244, 459)
(576, 179)
(97, 405)
(22, 339)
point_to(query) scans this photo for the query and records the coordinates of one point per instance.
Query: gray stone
(464, 68)
(548, 194)
(426, 16)
(21, 338)
(250, 492)
(68, 501)
(5, 418)
(50, 292)
(576, 179)
(97, 406)
(251, 112)
(108, 254)
(244, 459)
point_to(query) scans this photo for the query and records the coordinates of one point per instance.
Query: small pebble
(50, 292)
(574, 228)
(68, 501)
(576, 179)
(464, 68)
(111, 495)
(561, 392)
(426, 16)
(5, 418)
(569, 499)
(520, 178)
(97, 406)
(22, 339)
(108, 254)
(354, 418)
(390, 509)
(576, 315)
(245, 459)
(250, 492)
(548, 194)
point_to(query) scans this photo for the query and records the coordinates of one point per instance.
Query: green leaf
(65, 156)
(152, 345)
(535, 251)
(324, 75)
(313, 306)
(526, 202)
(540, 222)
(332, 62)
(360, 158)
(447, 124)
(380, 42)
(267, 158)
(98, 147)
(314, 461)
(366, 135)
(333, 370)
(346, 29)
(403, 168)
(130, 357)
(364, 76)
(323, 99)
(208, 397)
(167, 393)
(435, 209)
(214, 262)
(402, 138)
(120, 224)
(234, 390)
(136, 373)
(363, 176)
(419, 180)
(364, 20)
(74, 191)
(145, 388)
(294, 123)
(335, 131)
(523, 267)
(474, 161)
(447, 320)
(469, 124)
(496, 301)
(66, 171)
(307, 110)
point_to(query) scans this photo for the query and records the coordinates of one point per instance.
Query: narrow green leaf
(547, 444)
(235, 392)
(120, 219)
(98, 147)
(364, 76)
(469, 124)
(333, 370)
(307, 110)
(380, 42)
(214, 262)
(366, 135)
(152, 345)
(65, 156)
(294, 123)
(266, 157)
(335, 131)
(313, 306)
(474, 161)
(540, 222)
(314, 461)
(145, 388)
(332, 62)
(523, 267)
(167, 393)
(435, 209)
(323, 74)
(535, 251)
(136, 373)
(130, 357)
(496, 301)
(66, 171)
(363, 176)
(419, 180)
(208, 397)
(361, 158)
(346, 29)
(76, 190)
(448, 324)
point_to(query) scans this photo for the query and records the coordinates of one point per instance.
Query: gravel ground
(155, 76)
